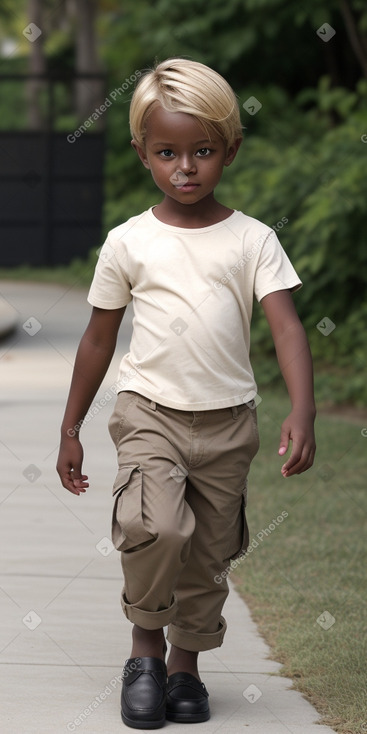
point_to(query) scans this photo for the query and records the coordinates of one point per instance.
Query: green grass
(314, 561)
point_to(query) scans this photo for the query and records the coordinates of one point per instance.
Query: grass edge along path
(304, 579)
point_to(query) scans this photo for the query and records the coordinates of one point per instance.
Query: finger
(308, 463)
(78, 480)
(284, 441)
(298, 462)
(81, 481)
(70, 486)
(295, 459)
(75, 485)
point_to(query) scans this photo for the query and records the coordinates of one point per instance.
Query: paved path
(63, 638)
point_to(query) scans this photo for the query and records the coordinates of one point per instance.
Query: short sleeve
(110, 286)
(274, 270)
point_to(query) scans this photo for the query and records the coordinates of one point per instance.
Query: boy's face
(184, 163)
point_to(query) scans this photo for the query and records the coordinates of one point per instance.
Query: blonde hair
(181, 85)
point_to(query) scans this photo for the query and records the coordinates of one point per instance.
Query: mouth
(187, 187)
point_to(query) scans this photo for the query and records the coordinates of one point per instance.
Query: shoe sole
(138, 724)
(188, 718)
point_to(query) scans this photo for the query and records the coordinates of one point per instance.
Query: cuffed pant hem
(196, 641)
(149, 620)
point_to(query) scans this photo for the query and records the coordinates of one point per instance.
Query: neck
(202, 213)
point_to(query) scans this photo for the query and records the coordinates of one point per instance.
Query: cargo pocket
(128, 529)
(242, 537)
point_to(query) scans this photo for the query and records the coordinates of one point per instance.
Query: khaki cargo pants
(179, 512)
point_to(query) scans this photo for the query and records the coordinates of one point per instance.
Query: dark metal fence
(51, 184)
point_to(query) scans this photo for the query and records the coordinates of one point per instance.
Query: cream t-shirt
(192, 293)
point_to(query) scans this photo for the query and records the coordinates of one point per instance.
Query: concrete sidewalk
(63, 637)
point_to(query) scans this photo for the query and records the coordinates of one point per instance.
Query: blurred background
(68, 174)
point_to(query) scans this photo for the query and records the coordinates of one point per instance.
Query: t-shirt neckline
(188, 230)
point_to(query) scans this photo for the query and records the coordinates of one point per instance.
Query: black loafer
(144, 690)
(187, 699)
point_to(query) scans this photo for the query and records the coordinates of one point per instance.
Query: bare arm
(93, 357)
(295, 362)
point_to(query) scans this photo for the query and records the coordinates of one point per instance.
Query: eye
(167, 153)
(203, 152)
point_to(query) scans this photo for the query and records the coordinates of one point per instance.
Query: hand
(69, 465)
(298, 427)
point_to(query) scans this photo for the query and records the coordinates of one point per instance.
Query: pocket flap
(123, 477)
(128, 529)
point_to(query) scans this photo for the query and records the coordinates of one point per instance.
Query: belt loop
(153, 405)
(234, 412)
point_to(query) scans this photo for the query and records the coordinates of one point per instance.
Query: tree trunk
(37, 65)
(357, 41)
(89, 92)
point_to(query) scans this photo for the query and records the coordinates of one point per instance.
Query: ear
(141, 153)
(232, 152)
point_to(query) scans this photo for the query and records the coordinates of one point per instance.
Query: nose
(187, 164)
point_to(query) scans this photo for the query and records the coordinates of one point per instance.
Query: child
(184, 423)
